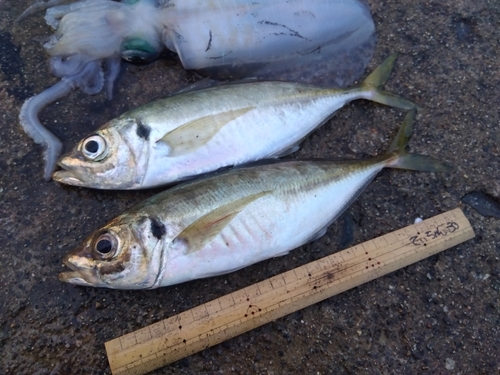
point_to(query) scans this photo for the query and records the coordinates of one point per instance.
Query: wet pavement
(439, 316)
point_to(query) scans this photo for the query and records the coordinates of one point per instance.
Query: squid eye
(94, 148)
(105, 246)
(136, 50)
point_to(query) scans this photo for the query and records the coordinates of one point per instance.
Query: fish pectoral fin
(204, 230)
(194, 134)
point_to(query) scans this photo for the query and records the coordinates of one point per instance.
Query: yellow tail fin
(374, 82)
(404, 160)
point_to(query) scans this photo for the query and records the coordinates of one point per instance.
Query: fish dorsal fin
(194, 134)
(203, 230)
(208, 83)
(204, 83)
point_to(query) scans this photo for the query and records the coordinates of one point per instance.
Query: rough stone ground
(439, 316)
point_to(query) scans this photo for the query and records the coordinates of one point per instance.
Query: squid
(327, 42)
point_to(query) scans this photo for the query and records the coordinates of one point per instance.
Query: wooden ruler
(209, 324)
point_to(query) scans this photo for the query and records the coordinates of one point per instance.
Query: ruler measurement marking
(258, 288)
(380, 242)
(301, 273)
(284, 279)
(289, 291)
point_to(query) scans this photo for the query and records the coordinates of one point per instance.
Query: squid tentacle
(112, 71)
(89, 79)
(40, 134)
(39, 6)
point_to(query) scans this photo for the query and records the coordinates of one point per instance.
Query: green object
(138, 50)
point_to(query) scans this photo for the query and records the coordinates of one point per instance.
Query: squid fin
(204, 230)
(196, 133)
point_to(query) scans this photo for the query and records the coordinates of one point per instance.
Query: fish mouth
(67, 175)
(78, 275)
(91, 176)
(74, 277)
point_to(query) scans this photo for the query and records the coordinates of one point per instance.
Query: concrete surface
(439, 316)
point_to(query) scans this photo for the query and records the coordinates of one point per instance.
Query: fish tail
(401, 159)
(372, 85)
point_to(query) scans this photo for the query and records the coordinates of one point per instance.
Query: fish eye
(105, 246)
(94, 148)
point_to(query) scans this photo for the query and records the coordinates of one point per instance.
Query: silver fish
(200, 131)
(225, 222)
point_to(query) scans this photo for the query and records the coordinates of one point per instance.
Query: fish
(227, 221)
(200, 131)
